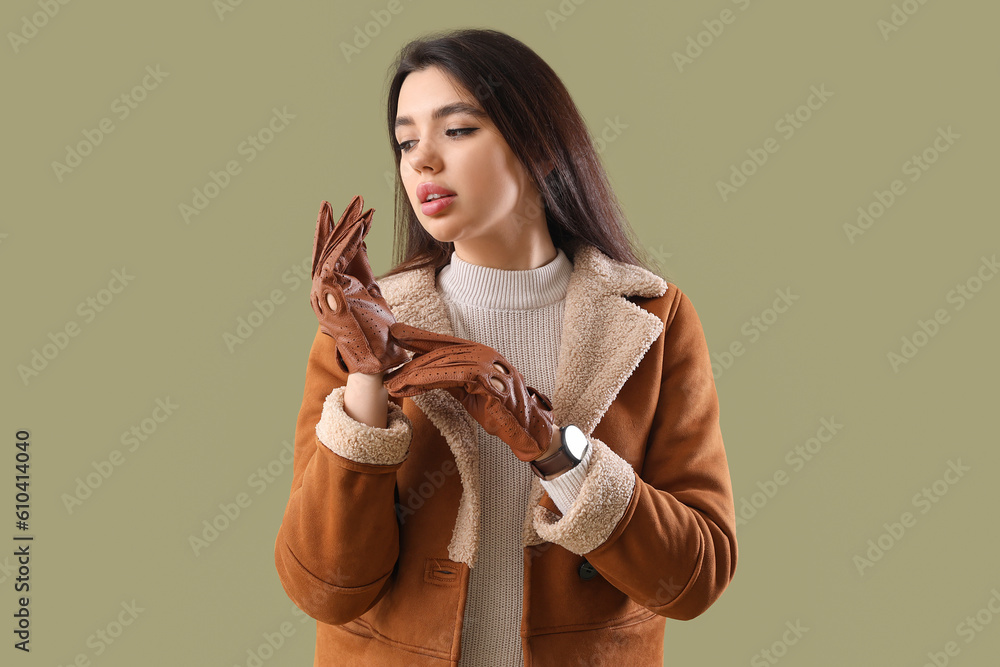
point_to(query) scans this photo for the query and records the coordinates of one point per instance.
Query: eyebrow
(446, 110)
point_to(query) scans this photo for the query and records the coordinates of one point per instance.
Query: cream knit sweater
(519, 314)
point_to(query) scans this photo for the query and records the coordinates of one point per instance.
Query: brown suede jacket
(380, 533)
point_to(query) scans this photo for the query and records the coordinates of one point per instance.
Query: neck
(470, 284)
(526, 252)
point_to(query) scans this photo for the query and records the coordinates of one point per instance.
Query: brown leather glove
(345, 296)
(482, 380)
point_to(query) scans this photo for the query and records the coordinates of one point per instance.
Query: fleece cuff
(360, 442)
(601, 503)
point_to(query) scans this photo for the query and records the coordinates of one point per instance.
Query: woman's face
(447, 140)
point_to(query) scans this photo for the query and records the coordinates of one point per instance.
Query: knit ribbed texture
(566, 487)
(519, 314)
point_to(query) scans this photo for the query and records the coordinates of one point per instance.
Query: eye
(405, 146)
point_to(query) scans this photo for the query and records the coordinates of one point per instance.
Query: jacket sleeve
(338, 541)
(665, 536)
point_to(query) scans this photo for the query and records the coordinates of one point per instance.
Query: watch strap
(560, 462)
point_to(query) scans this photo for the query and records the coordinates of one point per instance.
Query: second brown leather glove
(345, 297)
(480, 378)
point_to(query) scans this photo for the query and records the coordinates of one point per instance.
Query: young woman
(544, 482)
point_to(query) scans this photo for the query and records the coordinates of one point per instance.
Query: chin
(441, 231)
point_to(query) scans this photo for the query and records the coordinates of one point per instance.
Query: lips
(427, 188)
(435, 206)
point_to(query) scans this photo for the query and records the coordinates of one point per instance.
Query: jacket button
(587, 570)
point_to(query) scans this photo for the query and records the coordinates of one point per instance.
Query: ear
(324, 229)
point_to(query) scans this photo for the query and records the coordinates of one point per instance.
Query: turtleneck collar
(462, 282)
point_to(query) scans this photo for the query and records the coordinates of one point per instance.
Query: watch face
(576, 441)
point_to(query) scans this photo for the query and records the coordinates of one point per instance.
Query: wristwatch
(573, 445)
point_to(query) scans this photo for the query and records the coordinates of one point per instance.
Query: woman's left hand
(345, 297)
(481, 379)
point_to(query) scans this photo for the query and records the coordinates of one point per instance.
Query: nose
(424, 156)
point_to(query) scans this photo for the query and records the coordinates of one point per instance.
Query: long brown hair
(537, 118)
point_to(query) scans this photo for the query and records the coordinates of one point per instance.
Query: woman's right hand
(345, 297)
(493, 392)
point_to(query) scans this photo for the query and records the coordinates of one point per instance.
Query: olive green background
(681, 130)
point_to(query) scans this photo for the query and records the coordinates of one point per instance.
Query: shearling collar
(604, 337)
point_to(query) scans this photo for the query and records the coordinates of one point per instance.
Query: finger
(441, 370)
(345, 242)
(439, 367)
(353, 209)
(363, 224)
(324, 229)
(401, 382)
(352, 216)
(400, 387)
(360, 268)
(432, 371)
(421, 340)
(407, 385)
(451, 358)
(348, 235)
